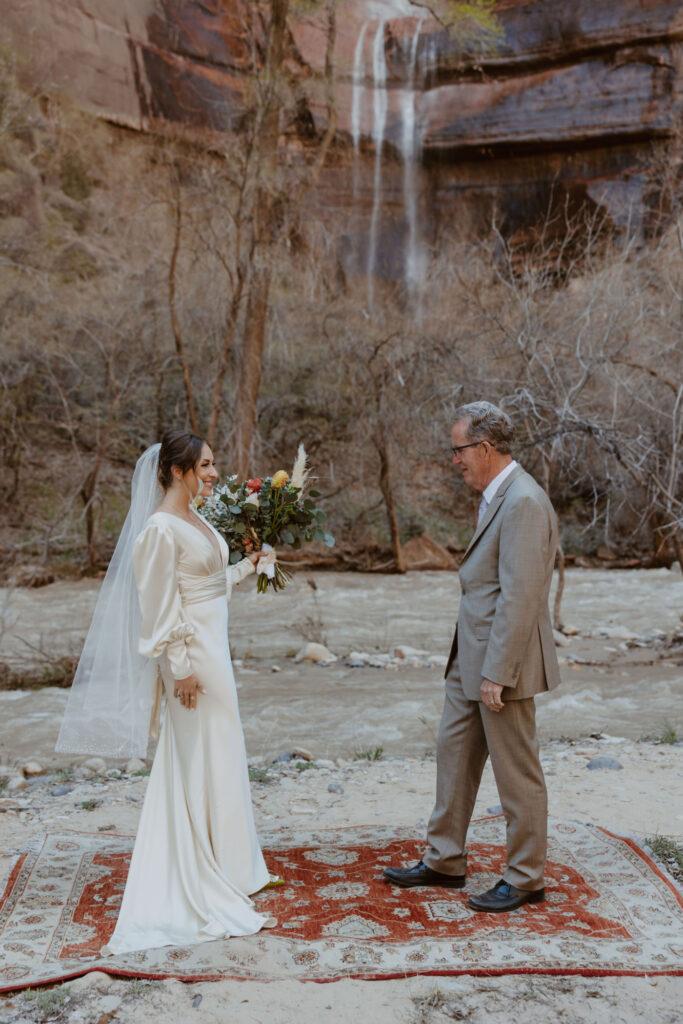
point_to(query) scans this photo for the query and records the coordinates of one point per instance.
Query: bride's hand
(187, 691)
(256, 556)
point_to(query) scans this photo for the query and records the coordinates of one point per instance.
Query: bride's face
(205, 473)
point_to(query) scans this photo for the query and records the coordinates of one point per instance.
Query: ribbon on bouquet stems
(266, 566)
(270, 572)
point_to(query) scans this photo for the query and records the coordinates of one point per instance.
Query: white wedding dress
(196, 857)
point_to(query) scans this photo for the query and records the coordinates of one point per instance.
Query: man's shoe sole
(533, 897)
(447, 883)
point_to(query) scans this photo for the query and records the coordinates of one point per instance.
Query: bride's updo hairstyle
(178, 448)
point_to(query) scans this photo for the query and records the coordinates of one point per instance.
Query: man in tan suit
(503, 654)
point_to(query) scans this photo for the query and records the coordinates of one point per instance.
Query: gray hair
(486, 422)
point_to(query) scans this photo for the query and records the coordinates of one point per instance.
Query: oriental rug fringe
(609, 910)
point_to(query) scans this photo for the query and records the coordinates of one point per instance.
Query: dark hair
(178, 448)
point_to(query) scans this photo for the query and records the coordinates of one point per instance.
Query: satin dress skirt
(196, 857)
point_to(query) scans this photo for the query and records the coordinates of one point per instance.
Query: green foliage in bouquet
(273, 511)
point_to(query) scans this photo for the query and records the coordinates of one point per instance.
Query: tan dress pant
(469, 733)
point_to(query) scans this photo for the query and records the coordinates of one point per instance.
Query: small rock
(607, 764)
(60, 790)
(17, 783)
(570, 631)
(560, 639)
(7, 804)
(196, 1001)
(302, 809)
(315, 653)
(496, 809)
(135, 764)
(95, 979)
(355, 661)
(404, 651)
(322, 762)
(273, 668)
(96, 765)
(283, 758)
(114, 773)
(109, 1003)
(33, 768)
(301, 752)
(334, 787)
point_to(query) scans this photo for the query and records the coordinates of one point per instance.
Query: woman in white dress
(196, 858)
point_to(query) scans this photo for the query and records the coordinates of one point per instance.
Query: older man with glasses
(503, 654)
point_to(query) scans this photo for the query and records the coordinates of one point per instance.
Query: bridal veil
(113, 694)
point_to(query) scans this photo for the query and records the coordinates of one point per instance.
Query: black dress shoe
(420, 874)
(504, 896)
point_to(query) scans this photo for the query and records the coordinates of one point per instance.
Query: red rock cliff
(567, 105)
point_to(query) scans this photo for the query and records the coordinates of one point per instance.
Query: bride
(161, 623)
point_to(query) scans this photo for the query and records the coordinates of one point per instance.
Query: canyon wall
(561, 114)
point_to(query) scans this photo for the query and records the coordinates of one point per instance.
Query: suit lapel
(491, 511)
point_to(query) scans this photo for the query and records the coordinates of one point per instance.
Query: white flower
(252, 499)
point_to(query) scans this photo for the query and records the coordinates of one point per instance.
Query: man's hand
(490, 695)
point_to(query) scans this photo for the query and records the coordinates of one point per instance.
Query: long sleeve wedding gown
(196, 857)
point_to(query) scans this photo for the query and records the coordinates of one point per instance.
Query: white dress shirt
(489, 492)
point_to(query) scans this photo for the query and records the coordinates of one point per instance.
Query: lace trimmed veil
(113, 693)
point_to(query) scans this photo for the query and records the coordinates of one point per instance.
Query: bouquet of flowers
(264, 512)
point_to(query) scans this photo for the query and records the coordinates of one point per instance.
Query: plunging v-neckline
(209, 540)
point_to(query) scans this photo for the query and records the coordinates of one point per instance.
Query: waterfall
(409, 140)
(379, 81)
(410, 146)
(358, 82)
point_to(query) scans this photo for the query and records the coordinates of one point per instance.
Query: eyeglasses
(461, 447)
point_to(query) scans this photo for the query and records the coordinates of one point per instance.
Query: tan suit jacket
(504, 632)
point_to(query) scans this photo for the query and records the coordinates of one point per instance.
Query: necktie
(483, 505)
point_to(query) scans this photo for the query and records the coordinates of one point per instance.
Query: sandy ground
(614, 695)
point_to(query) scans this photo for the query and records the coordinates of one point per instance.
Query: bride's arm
(240, 569)
(164, 626)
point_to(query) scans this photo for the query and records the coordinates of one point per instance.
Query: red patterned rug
(609, 910)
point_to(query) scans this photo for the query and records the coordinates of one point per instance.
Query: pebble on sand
(60, 790)
(607, 764)
(315, 653)
(18, 782)
(94, 979)
(33, 768)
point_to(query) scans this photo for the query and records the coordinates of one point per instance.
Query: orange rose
(255, 485)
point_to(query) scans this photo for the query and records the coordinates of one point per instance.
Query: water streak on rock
(379, 80)
(411, 148)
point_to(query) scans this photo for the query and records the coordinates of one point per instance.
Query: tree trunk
(251, 366)
(388, 495)
(557, 604)
(560, 559)
(228, 338)
(175, 323)
(661, 556)
(678, 547)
